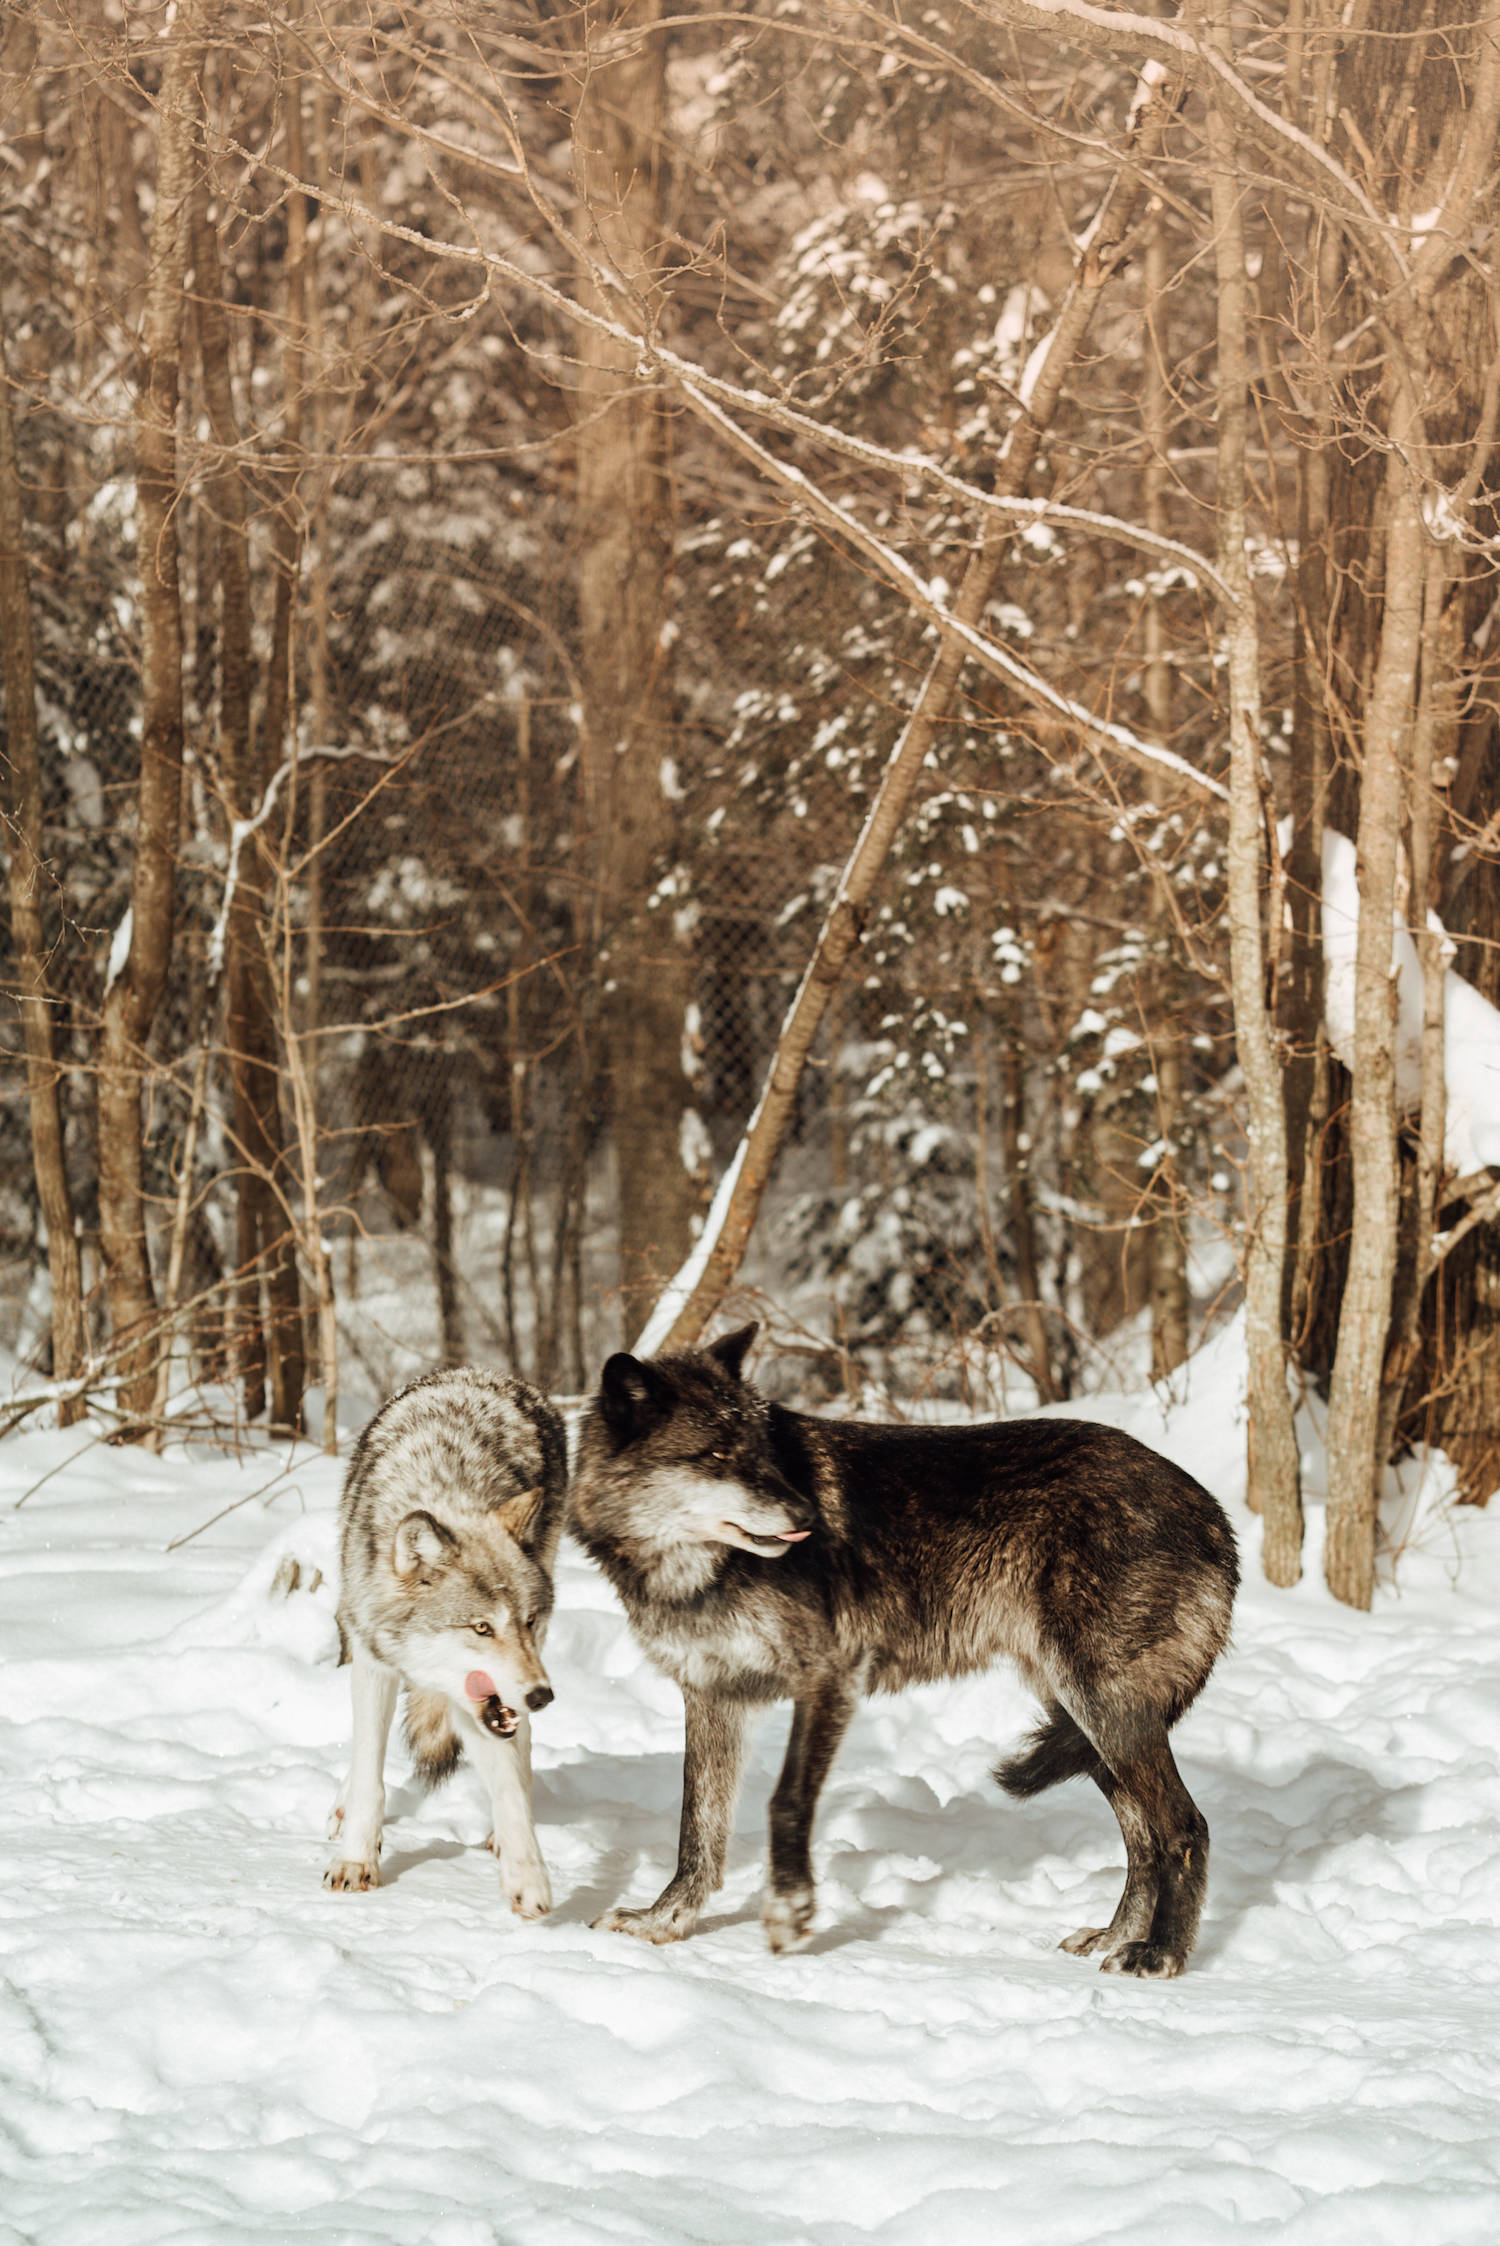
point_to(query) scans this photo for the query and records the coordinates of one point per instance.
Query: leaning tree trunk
(624, 502)
(688, 1304)
(1273, 1464)
(143, 949)
(23, 821)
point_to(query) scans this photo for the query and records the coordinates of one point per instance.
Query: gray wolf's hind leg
(818, 1724)
(1178, 1836)
(359, 1813)
(715, 1746)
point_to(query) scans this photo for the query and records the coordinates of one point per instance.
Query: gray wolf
(449, 1523)
(763, 1555)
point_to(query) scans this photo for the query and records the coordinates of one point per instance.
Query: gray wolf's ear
(518, 1514)
(632, 1395)
(423, 1547)
(732, 1349)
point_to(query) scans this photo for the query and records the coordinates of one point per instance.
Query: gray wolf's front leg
(506, 1767)
(715, 1745)
(359, 1812)
(819, 1722)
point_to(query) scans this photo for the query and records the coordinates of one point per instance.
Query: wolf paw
(1085, 1941)
(529, 1893)
(1145, 1961)
(787, 1919)
(651, 1925)
(347, 1875)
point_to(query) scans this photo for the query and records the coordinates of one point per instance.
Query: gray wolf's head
(475, 1603)
(688, 1457)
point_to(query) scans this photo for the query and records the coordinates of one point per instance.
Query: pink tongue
(479, 1687)
(793, 1536)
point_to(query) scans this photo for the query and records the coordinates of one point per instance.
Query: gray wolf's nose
(540, 1696)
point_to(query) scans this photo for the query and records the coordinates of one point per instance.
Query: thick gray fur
(762, 1555)
(450, 1517)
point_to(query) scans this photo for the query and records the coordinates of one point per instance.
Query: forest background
(599, 604)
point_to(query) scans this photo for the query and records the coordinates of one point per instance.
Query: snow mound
(1471, 1025)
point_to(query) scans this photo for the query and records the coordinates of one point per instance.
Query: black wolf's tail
(434, 1744)
(1056, 1750)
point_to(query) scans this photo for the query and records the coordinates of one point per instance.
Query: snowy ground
(198, 2043)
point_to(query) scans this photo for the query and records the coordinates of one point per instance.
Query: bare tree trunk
(24, 829)
(288, 1360)
(1169, 1280)
(687, 1305)
(1016, 1149)
(1273, 1464)
(1302, 1015)
(625, 505)
(1416, 1259)
(244, 968)
(137, 979)
(1354, 1465)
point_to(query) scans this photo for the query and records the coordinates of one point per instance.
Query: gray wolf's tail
(1056, 1750)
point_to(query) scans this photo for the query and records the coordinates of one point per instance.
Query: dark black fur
(1104, 1571)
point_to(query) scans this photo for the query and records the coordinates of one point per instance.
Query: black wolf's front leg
(819, 1722)
(710, 1785)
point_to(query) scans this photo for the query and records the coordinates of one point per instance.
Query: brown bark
(138, 979)
(252, 1096)
(1273, 1464)
(27, 877)
(625, 506)
(1302, 1002)
(690, 1302)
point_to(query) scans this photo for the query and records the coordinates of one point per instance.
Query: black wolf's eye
(481, 1629)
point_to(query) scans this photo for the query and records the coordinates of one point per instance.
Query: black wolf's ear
(423, 1548)
(632, 1395)
(518, 1514)
(732, 1349)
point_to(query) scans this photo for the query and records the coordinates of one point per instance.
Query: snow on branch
(654, 359)
(240, 831)
(1112, 30)
(1100, 733)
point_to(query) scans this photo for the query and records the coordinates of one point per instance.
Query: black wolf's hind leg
(1179, 1842)
(819, 1722)
(1137, 1905)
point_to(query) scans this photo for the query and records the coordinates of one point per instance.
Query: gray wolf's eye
(481, 1629)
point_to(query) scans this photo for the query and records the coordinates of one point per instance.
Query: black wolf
(763, 1555)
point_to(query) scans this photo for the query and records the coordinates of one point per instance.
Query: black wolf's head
(679, 1452)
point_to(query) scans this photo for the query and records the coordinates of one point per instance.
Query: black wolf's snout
(540, 1696)
(778, 1491)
